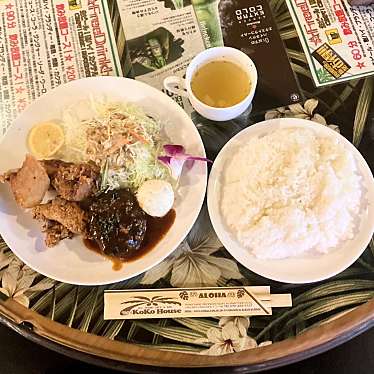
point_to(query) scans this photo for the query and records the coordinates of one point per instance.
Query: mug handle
(176, 85)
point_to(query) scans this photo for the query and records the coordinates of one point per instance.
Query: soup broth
(220, 84)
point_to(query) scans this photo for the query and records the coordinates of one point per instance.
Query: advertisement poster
(338, 39)
(250, 27)
(47, 43)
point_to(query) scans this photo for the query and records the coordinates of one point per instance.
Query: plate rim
(204, 176)
(217, 222)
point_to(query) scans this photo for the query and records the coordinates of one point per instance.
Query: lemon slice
(45, 139)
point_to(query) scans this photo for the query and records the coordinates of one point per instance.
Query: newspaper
(46, 43)
(338, 39)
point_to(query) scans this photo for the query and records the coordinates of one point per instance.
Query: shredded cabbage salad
(118, 136)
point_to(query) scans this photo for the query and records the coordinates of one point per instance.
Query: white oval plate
(70, 261)
(308, 267)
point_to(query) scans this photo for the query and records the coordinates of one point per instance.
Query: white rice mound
(289, 192)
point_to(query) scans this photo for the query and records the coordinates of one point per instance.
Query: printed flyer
(338, 39)
(164, 35)
(46, 43)
(250, 27)
(162, 38)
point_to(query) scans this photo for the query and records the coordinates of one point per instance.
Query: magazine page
(164, 35)
(338, 39)
(162, 38)
(44, 44)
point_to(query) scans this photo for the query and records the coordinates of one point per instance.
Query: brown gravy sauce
(157, 228)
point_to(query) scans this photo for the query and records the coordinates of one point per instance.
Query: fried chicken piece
(52, 166)
(55, 232)
(73, 182)
(30, 183)
(69, 214)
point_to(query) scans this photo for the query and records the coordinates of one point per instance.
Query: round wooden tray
(69, 319)
(123, 356)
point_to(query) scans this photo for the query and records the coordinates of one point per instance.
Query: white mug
(182, 86)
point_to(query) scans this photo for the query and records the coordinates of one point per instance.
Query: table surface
(20, 356)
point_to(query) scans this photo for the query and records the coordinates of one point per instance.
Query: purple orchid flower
(176, 157)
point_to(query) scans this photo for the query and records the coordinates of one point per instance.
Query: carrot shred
(118, 145)
(137, 136)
